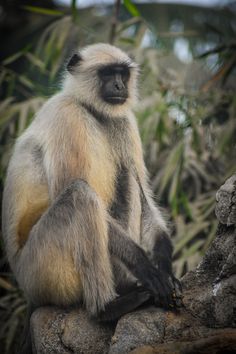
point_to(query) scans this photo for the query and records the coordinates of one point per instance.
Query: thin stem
(73, 9)
(114, 21)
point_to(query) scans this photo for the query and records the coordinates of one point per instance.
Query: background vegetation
(186, 113)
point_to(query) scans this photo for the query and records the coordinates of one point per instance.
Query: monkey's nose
(118, 83)
(119, 86)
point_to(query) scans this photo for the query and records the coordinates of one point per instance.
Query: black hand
(157, 282)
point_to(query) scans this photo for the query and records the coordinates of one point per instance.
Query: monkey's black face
(114, 83)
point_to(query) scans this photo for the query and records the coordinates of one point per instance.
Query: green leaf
(127, 40)
(173, 190)
(192, 232)
(126, 24)
(73, 4)
(36, 61)
(11, 333)
(26, 82)
(185, 204)
(12, 58)
(192, 249)
(132, 8)
(4, 104)
(174, 160)
(43, 11)
(5, 284)
(16, 55)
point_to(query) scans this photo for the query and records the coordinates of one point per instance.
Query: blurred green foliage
(188, 131)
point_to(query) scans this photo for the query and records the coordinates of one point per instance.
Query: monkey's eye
(106, 72)
(125, 73)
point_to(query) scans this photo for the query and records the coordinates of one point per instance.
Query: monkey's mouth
(116, 99)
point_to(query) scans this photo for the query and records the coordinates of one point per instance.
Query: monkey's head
(103, 76)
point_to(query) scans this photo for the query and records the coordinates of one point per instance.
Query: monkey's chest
(102, 173)
(118, 188)
(111, 178)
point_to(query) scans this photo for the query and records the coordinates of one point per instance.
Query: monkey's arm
(157, 243)
(154, 232)
(136, 260)
(153, 286)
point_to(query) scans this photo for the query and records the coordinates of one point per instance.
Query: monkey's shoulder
(60, 119)
(59, 110)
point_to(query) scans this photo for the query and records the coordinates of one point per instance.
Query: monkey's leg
(66, 256)
(161, 257)
(131, 295)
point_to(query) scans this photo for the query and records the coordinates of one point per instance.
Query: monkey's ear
(74, 61)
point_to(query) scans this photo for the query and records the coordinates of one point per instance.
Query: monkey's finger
(164, 302)
(164, 297)
(161, 287)
(168, 291)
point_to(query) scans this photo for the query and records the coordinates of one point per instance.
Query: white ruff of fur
(84, 84)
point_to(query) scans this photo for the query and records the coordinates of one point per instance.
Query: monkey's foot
(124, 304)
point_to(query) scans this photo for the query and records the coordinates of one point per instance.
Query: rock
(56, 331)
(226, 202)
(221, 342)
(138, 328)
(210, 290)
(47, 325)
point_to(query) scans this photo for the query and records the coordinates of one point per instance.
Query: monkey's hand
(176, 293)
(165, 289)
(161, 258)
(154, 279)
(168, 294)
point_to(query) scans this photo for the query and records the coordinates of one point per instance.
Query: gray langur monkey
(79, 221)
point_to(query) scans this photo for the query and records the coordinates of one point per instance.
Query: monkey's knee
(78, 185)
(52, 277)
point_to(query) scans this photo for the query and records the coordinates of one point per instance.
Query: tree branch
(114, 21)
